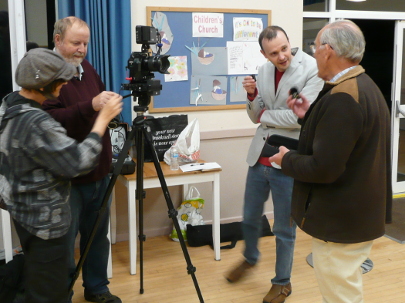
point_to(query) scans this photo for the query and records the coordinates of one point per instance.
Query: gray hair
(346, 39)
(64, 24)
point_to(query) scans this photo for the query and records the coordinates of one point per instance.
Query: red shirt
(277, 78)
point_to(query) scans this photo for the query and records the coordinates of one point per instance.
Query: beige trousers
(338, 270)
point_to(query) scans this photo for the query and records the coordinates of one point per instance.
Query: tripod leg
(103, 208)
(173, 214)
(139, 131)
(140, 151)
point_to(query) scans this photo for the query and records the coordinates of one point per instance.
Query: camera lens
(158, 64)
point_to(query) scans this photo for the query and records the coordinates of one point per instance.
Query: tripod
(139, 132)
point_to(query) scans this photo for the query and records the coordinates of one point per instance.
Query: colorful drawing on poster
(208, 90)
(204, 57)
(160, 22)
(217, 92)
(217, 67)
(177, 69)
(200, 53)
(237, 93)
(195, 93)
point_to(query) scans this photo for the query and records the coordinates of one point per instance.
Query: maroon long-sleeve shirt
(74, 110)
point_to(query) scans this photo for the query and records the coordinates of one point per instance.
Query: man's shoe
(106, 297)
(278, 293)
(239, 272)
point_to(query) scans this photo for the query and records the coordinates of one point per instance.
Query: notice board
(211, 51)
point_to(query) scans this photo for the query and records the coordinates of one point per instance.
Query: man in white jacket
(266, 105)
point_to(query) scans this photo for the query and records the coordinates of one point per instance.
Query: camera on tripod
(141, 66)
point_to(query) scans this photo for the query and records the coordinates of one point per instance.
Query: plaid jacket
(38, 160)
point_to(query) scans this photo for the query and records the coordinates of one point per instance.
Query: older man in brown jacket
(342, 192)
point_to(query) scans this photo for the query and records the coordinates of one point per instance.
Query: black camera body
(146, 35)
(141, 66)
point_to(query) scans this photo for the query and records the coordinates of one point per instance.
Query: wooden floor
(166, 278)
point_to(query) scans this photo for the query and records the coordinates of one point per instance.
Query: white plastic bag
(189, 212)
(188, 144)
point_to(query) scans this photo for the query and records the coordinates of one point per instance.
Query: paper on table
(199, 166)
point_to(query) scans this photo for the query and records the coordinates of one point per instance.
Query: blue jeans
(261, 180)
(85, 203)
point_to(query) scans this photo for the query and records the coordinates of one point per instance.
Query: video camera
(142, 64)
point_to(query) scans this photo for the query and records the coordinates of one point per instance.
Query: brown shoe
(278, 293)
(239, 272)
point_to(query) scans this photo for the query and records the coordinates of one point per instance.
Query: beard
(75, 60)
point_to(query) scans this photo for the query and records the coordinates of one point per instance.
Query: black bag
(201, 235)
(163, 133)
(11, 280)
(118, 134)
(275, 141)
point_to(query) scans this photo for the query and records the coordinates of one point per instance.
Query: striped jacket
(38, 160)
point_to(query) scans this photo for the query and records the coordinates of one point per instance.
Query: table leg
(113, 219)
(7, 240)
(185, 192)
(216, 217)
(109, 265)
(132, 226)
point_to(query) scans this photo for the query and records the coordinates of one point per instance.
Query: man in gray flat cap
(37, 161)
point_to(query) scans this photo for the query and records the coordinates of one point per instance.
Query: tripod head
(140, 110)
(140, 117)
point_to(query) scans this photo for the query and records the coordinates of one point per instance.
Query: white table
(172, 178)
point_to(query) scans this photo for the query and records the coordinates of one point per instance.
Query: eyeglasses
(327, 44)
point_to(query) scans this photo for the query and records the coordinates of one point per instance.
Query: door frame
(397, 108)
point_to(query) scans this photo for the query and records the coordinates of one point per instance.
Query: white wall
(225, 134)
(286, 13)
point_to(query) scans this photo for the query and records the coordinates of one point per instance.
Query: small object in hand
(294, 93)
(253, 77)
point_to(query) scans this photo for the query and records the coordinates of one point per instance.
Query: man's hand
(249, 84)
(101, 99)
(278, 158)
(111, 109)
(298, 105)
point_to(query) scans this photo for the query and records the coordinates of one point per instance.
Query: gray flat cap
(40, 67)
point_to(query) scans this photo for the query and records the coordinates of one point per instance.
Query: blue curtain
(110, 39)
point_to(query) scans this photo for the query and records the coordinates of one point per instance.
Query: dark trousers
(46, 267)
(85, 203)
